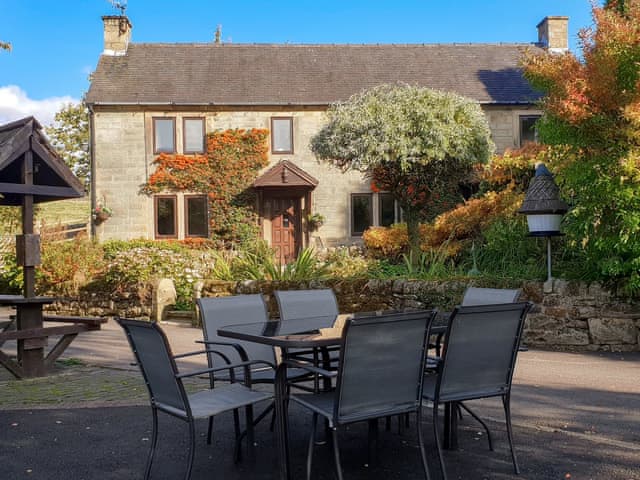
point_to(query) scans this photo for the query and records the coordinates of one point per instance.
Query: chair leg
(250, 436)
(192, 448)
(154, 441)
(423, 455)
(237, 456)
(312, 441)
(438, 443)
(372, 440)
(336, 452)
(506, 402)
(210, 431)
(479, 420)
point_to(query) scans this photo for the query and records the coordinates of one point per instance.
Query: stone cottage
(150, 98)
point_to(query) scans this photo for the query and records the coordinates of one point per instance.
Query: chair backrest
(489, 296)
(381, 365)
(153, 354)
(217, 312)
(306, 303)
(480, 351)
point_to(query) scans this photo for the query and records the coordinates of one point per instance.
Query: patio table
(307, 333)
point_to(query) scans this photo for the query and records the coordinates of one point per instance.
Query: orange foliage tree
(224, 173)
(592, 121)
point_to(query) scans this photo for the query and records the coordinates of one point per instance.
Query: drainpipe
(92, 160)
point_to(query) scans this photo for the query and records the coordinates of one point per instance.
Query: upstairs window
(528, 131)
(193, 132)
(164, 135)
(281, 135)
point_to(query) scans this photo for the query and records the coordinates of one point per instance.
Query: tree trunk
(413, 231)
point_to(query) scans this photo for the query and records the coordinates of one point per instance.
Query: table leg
(282, 429)
(450, 426)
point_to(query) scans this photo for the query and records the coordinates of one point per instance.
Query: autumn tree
(69, 134)
(416, 143)
(592, 121)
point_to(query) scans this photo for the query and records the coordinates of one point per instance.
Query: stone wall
(570, 316)
(131, 304)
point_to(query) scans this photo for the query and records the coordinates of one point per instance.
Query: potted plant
(315, 221)
(101, 213)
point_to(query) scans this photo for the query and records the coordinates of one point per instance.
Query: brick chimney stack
(117, 33)
(553, 34)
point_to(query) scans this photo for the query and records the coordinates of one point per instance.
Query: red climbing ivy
(225, 173)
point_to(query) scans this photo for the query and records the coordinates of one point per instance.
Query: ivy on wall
(225, 173)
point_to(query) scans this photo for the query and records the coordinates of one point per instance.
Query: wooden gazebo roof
(52, 178)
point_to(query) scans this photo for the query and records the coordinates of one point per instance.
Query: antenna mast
(120, 5)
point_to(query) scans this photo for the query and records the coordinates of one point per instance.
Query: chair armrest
(201, 352)
(239, 348)
(229, 367)
(310, 368)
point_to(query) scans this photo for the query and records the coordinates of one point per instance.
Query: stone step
(179, 318)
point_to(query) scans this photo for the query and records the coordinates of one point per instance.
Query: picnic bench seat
(37, 338)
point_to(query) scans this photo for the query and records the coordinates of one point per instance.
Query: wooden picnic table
(28, 329)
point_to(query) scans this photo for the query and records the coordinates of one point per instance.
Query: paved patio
(575, 416)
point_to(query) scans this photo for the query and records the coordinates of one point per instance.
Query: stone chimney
(553, 34)
(117, 33)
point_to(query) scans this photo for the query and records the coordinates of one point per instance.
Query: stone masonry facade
(124, 160)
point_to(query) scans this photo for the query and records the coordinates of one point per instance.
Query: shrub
(387, 242)
(138, 262)
(342, 263)
(67, 266)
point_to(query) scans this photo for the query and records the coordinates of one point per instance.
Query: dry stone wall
(570, 316)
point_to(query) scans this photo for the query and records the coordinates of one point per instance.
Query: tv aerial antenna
(120, 5)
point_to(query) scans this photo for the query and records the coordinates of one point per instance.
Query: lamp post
(544, 209)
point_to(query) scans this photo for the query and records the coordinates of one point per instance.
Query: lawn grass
(74, 210)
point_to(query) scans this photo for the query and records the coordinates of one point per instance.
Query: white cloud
(16, 104)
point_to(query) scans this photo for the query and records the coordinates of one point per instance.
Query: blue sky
(56, 44)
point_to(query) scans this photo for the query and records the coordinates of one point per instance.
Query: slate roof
(285, 74)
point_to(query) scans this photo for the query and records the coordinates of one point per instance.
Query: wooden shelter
(31, 172)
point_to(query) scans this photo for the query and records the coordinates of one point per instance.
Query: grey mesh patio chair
(167, 393)
(481, 296)
(479, 358)
(217, 312)
(306, 303)
(489, 296)
(380, 374)
(296, 304)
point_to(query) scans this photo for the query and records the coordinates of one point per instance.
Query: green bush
(138, 262)
(507, 251)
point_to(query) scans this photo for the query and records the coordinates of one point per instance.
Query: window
(196, 215)
(281, 135)
(386, 209)
(361, 212)
(166, 216)
(164, 135)
(528, 131)
(193, 132)
(373, 209)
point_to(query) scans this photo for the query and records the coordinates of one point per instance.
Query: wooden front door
(284, 228)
